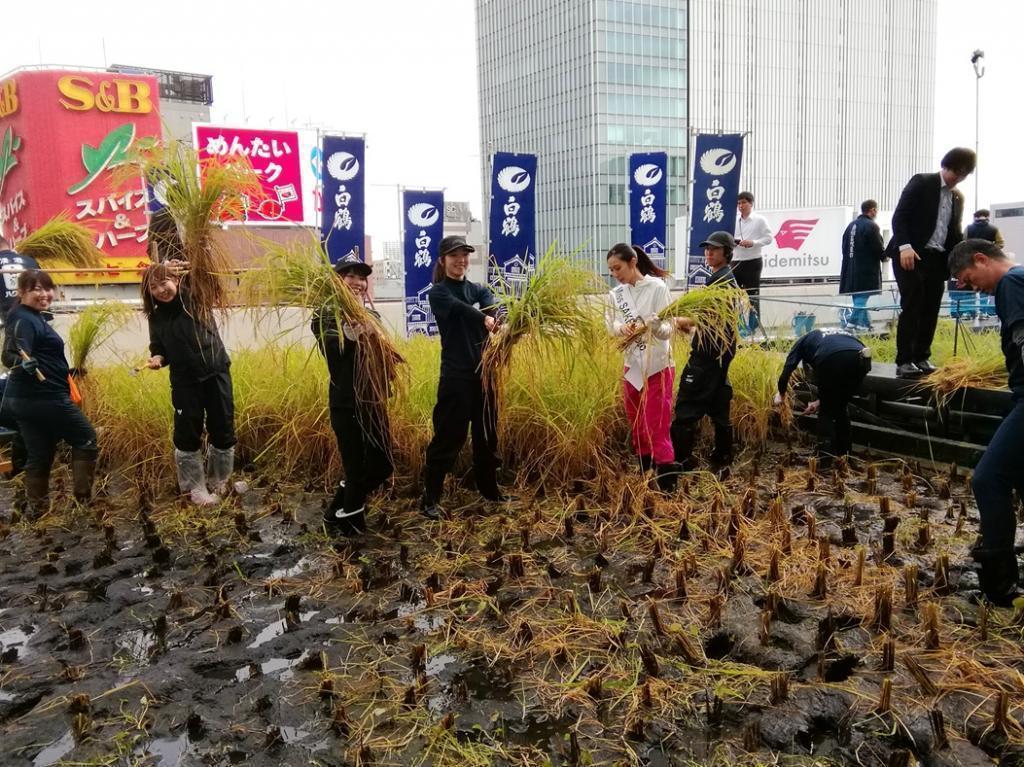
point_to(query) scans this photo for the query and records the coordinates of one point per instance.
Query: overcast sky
(404, 73)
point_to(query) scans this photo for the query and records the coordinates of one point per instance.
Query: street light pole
(979, 72)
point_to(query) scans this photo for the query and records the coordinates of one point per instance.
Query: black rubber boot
(37, 493)
(998, 575)
(83, 473)
(667, 475)
(347, 523)
(646, 463)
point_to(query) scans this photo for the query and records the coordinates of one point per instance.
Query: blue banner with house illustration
(648, 193)
(344, 199)
(513, 238)
(422, 230)
(717, 159)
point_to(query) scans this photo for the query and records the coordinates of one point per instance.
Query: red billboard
(61, 133)
(275, 156)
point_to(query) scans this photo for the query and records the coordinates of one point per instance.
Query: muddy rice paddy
(787, 616)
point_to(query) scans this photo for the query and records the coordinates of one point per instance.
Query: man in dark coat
(861, 274)
(925, 228)
(981, 229)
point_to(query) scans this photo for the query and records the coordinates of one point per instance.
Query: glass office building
(837, 100)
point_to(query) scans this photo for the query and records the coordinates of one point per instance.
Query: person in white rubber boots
(200, 385)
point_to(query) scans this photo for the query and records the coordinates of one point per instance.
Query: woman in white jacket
(649, 372)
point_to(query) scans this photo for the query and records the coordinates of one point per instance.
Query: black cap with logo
(453, 243)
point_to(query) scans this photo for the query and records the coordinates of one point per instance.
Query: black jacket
(863, 254)
(27, 330)
(981, 229)
(913, 221)
(193, 350)
(341, 358)
(459, 308)
(814, 347)
(709, 350)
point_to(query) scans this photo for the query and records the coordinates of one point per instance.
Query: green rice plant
(132, 415)
(94, 327)
(562, 417)
(968, 342)
(197, 193)
(549, 309)
(61, 242)
(300, 274)
(754, 375)
(715, 311)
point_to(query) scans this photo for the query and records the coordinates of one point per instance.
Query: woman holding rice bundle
(200, 384)
(359, 427)
(466, 313)
(704, 388)
(38, 395)
(649, 370)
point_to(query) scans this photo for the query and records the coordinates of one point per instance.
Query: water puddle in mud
(6, 697)
(16, 640)
(54, 752)
(267, 668)
(438, 663)
(290, 572)
(293, 734)
(275, 629)
(169, 752)
(134, 646)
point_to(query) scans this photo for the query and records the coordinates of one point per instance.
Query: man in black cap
(704, 388)
(465, 313)
(363, 438)
(12, 264)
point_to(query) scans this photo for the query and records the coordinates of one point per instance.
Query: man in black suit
(925, 227)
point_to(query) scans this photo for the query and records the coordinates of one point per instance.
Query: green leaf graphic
(10, 145)
(111, 152)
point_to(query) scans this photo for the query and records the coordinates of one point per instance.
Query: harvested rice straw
(987, 371)
(300, 274)
(715, 311)
(550, 308)
(62, 242)
(197, 193)
(94, 327)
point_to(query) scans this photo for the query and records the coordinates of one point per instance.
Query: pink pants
(650, 415)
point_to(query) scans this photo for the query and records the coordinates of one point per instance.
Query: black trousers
(704, 390)
(921, 291)
(461, 405)
(43, 423)
(748, 277)
(18, 453)
(838, 378)
(365, 447)
(998, 473)
(210, 402)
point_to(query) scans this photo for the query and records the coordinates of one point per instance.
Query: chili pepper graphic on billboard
(61, 134)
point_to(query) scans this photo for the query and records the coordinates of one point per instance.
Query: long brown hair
(627, 253)
(152, 274)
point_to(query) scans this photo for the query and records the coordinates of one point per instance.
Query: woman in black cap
(704, 388)
(465, 313)
(363, 438)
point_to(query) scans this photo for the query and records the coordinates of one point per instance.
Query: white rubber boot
(191, 478)
(219, 465)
